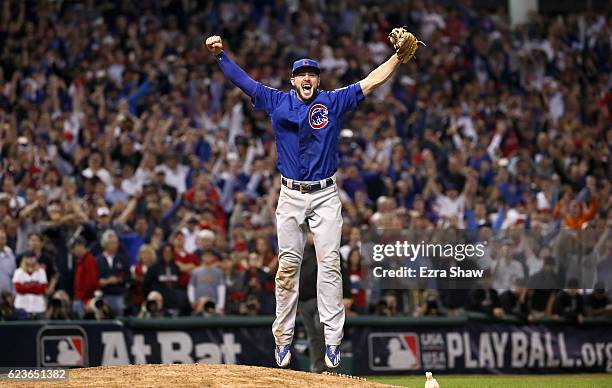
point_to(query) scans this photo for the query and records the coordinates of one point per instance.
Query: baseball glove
(404, 43)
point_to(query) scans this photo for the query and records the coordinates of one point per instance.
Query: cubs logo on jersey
(317, 116)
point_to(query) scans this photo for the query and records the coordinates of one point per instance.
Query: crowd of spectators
(136, 180)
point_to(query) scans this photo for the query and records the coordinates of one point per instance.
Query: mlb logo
(62, 346)
(394, 351)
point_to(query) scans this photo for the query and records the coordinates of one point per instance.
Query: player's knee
(286, 275)
(330, 259)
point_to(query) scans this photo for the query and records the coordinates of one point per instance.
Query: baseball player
(306, 123)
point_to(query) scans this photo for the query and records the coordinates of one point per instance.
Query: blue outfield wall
(380, 345)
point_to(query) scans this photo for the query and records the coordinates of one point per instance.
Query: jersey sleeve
(236, 75)
(266, 98)
(346, 98)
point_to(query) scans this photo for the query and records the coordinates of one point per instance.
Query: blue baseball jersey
(307, 135)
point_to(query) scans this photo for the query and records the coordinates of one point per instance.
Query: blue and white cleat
(282, 354)
(332, 356)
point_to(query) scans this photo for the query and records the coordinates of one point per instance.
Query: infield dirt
(195, 375)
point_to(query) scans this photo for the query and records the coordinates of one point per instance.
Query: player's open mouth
(307, 87)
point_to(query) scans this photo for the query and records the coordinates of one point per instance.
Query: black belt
(307, 187)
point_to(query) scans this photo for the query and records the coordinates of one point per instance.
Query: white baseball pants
(321, 211)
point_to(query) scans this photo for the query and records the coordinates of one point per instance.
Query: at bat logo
(317, 116)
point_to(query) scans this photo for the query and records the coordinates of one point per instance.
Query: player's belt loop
(323, 183)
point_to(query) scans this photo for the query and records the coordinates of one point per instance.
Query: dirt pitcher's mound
(196, 375)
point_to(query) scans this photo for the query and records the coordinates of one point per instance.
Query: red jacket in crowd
(86, 277)
(185, 258)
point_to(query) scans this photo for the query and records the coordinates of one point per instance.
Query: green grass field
(501, 381)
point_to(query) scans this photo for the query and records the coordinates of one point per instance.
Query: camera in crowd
(251, 306)
(59, 306)
(153, 307)
(205, 307)
(98, 309)
(7, 310)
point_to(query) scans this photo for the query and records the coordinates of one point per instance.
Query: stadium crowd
(136, 180)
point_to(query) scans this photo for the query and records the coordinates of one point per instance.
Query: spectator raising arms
(125, 124)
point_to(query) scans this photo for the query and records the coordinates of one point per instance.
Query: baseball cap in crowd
(206, 233)
(68, 136)
(103, 211)
(407, 81)
(305, 63)
(232, 157)
(346, 132)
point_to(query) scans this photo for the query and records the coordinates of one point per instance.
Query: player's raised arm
(379, 75)
(232, 71)
(405, 45)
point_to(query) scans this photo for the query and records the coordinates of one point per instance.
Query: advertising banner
(83, 344)
(470, 347)
(482, 347)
